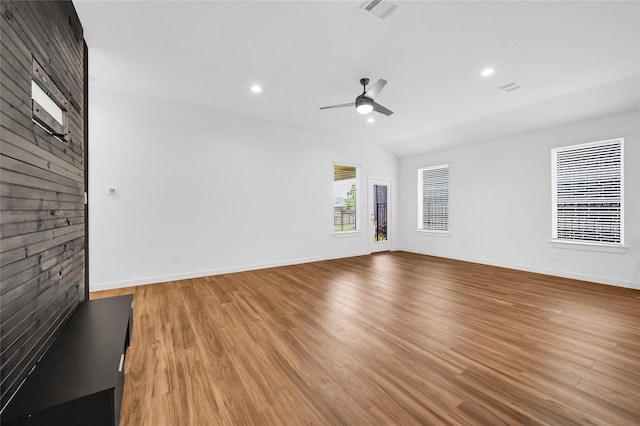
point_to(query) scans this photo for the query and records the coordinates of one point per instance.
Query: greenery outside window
(345, 199)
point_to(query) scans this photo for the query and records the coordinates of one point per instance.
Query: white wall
(500, 204)
(221, 193)
(226, 194)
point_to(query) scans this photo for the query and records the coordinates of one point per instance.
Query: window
(587, 192)
(345, 196)
(433, 198)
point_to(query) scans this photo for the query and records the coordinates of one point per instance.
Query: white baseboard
(243, 268)
(205, 273)
(529, 268)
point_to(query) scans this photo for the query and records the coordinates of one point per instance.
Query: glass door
(379, 215)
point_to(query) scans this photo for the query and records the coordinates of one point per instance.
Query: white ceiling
(575, 61)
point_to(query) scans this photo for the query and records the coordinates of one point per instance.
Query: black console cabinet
(80, 379)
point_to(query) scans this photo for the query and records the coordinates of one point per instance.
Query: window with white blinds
(433, 198)
(587, 192)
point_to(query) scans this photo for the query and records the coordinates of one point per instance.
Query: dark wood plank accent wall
(42, 183)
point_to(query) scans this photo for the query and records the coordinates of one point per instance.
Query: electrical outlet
(176, 259)
(555, 255)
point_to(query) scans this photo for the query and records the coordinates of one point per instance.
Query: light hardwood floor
(392, 338)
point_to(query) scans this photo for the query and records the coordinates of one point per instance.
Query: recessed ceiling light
(487, 72)
(370, 120)
(256, 89)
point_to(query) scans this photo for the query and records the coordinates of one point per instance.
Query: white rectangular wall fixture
(46, 102)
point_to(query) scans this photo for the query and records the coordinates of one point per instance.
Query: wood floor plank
(393, 338)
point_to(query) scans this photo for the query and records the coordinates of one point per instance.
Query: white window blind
(345, 196)
(587, 192)
(433, 198)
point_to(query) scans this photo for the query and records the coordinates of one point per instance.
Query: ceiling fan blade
(350, 104)
(375, 89)
(382, 110)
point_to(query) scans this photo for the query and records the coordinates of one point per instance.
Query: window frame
(554, 197)
(420, 194)
(358, 225)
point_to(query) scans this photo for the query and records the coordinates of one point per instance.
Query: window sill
(440, 234)
(603, 248)
(346, 234)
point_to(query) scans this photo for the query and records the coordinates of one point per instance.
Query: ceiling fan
(365, 102)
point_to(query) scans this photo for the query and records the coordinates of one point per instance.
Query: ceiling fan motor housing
(365, 102)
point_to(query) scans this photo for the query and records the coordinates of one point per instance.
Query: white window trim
(578, 244)
(587, 246)
(346, 234)
(441, 234)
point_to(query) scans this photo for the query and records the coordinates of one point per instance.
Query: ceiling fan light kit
(364, 105)
(365, 102)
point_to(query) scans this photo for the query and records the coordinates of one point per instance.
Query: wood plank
(29, 29)
(19, 173)
(15, 114)
(18, 191)
(23, 149)
(31, 157)
(14, 95)
(10, 358)
(66, 45)
(60, 237)
(18, 277)
(20, 72)
(12, 229)
(22, 216)
(27, 309)
(30, 131)
(45, 119)
(54, 270)
(32, 346)
(12, 190)
(14, 44)
(18, 120)
(42, 217)
(12, 204)
(30, 239)
(392, 338)
(44, 81)
(66, 285)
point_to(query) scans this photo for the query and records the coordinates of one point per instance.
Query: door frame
(377, 246)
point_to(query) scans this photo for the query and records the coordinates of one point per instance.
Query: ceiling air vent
(510, 87)
(380, 8)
